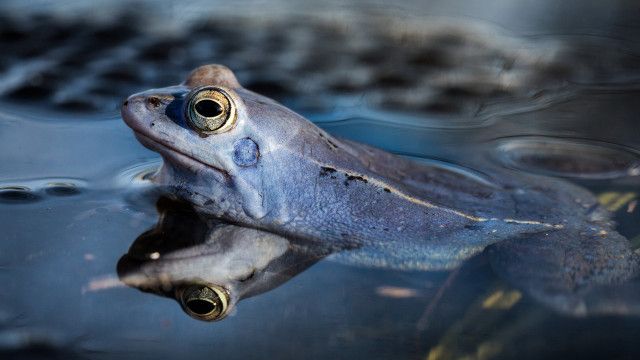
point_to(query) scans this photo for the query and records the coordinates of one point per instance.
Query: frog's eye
(204, 302)
(211, 110)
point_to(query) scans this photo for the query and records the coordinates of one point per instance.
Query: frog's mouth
(174, 156)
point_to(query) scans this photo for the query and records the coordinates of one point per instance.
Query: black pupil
(201, 307)
(208, 108)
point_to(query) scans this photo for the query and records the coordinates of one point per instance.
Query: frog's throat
(177, 155)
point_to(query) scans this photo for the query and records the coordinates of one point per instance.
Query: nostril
(125, 103)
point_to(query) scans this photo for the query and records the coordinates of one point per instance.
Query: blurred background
(440, 57)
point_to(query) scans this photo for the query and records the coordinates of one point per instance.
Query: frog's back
(491, 192)
(570, 267)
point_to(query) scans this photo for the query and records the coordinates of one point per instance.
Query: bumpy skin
(308, 184)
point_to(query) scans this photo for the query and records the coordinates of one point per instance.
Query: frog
(246, 159)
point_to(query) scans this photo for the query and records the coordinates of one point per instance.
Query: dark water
(553, 95)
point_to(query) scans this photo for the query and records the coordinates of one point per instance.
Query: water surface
(531, 97)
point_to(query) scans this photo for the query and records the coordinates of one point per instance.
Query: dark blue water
(74, 193)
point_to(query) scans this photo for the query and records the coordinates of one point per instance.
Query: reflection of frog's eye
(210, 110)
(204, 302)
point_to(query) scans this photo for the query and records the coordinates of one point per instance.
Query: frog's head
(223, 146)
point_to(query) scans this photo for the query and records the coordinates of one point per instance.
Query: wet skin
(241, 157)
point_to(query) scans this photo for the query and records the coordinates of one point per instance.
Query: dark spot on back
(331, 144)
(356, 178)
(326, 170)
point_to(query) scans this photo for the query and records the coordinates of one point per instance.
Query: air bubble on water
(62, 189)
(17, 194)
(32, 190)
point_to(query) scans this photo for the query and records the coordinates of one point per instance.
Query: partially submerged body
(243, 158)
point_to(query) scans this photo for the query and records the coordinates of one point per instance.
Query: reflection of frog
(209, 266)
(244, 158)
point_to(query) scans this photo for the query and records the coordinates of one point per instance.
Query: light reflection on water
(74, 196)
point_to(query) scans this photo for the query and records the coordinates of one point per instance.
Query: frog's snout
(133, 110)
(135, 98)
(151, 102)
(139, 110)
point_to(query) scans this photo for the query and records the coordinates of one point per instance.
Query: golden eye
(204, 302)
(211, 110)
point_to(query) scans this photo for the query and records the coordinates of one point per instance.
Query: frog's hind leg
(571, 270)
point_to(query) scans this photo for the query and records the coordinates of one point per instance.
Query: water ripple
(567, 157)
(138, 174)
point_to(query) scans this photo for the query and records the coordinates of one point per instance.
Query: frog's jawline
(173, 153)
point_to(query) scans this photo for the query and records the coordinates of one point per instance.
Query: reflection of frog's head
(209, 266)
(225, 148)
